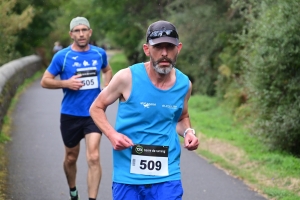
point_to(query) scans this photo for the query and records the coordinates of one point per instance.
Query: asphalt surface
(36, 156)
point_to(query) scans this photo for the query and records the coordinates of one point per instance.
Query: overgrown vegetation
(32, 39)
(228, 144)
(11, 23)
(206, 29)
(271, 71)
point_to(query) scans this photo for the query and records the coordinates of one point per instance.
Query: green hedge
(272, 71)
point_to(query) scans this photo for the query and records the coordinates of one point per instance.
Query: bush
(205, 29)
(272, 71)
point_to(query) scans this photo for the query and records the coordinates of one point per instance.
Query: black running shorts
(74, 128)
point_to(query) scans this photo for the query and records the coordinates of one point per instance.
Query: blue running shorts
(170, 190)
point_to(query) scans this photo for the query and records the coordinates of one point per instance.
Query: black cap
(162, 31)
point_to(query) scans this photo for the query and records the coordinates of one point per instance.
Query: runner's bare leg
(93, 160)
(70, 167)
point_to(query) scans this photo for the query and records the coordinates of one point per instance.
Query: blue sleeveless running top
(67, 63)
(149, 117)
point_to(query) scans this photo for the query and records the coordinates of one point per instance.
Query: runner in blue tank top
(78, 67)
(153, 110)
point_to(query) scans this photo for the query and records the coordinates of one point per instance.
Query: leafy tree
(271, 64)
(205, 28)
(11, 23)
(66, 12)
(125, 22)
(122, 24)
(38, 30)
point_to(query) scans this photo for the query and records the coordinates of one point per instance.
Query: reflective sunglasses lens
(157, 34)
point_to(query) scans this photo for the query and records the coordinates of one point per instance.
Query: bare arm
(117, 88)
(49, 81)
(190, 141)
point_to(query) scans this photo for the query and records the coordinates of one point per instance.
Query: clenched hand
(74, 83)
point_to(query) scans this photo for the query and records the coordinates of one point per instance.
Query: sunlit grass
(281, 194)
(279, 169)
(118, 61)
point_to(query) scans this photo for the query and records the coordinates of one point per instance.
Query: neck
(78, 48)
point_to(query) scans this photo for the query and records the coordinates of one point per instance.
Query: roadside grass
(227, 144)
(5, 133)
(118, 61)
(3, 136)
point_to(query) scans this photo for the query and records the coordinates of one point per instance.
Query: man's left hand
(191, 142)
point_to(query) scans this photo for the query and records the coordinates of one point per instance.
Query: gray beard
(163, 70)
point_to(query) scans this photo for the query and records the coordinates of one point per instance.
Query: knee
(70, 159)
(93, 158)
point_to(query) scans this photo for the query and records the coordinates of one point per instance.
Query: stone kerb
(12, 75)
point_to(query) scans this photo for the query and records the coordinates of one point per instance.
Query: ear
(179, 46)
(70, 33)
(91, 32)
(146, 49)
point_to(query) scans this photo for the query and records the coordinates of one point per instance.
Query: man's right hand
(74, 83)
(120, 141)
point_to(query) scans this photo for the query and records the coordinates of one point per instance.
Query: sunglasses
(158, 34)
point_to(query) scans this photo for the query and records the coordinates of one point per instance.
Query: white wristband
(189, 129)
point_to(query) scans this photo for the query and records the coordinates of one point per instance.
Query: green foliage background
(11, 23)
(244, 52)
(271, 68)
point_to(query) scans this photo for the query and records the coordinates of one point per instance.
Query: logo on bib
(139, 149)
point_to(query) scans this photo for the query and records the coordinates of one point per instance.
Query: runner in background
(79, 67)
(57, 47)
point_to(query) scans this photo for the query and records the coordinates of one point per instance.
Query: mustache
(164, 59)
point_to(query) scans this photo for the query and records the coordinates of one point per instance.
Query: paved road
(36, 156)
